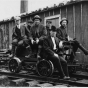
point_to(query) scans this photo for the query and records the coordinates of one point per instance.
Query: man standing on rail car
(37, 34)
(51, 46)
(18, 34)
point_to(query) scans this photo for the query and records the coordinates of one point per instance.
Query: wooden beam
(74, 19)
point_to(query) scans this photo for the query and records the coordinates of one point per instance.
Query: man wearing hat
(28, 27)
(48, 26)
(37, 34)
(51, 45)
(62, 35)
(61, 31)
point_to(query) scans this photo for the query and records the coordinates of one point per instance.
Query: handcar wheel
(45, 68)
(14, 65)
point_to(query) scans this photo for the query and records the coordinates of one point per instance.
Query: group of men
(47, 37)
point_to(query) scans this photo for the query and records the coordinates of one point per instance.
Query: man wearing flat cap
(48, 26)
(51, 46)
(37, 34)
(28, 27)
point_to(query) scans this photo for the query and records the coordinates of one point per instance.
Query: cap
(48, 21)
(63, 19)
(30, 21)
(37, 17)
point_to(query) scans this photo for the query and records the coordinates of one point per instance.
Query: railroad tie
(60, 86)
(5, 82)
(32, 83)
(20, 82)
(45, 85)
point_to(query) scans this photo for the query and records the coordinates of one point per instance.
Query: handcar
(24, 59)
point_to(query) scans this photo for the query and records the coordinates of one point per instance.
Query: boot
(38, 53)
(13, 50)
(83, 49)
(29, 51)
(66, 77)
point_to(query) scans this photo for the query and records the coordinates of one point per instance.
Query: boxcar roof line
(44, 10)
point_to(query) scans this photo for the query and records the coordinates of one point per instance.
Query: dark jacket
(27, 31)
(48, 45)
(16, 33)
(48, 30)
(61, 33)
(38, 32)
(19, 33)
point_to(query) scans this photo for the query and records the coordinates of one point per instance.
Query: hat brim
(37, 18)
(53, 30)
(48, 22)
(63, 20)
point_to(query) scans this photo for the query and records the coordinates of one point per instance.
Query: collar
(18, 26)
(62, 27)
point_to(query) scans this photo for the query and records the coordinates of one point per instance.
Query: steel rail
(47, 79)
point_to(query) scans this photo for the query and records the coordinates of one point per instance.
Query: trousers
(61, 65)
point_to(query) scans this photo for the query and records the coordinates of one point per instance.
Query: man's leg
(14, 44)
(57, 63)
(79, 45)
(64, 65)
(40, 44)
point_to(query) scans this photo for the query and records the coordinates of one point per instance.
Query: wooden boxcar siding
(47, 14)
(51, 12)
(56, 11)
(78, 33)
(42, 16)
(85, 28)
(11, 25)
(70, 19)
(1, 38)
(5, 35)
(63, 12)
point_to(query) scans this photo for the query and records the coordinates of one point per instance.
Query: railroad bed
(25, 78)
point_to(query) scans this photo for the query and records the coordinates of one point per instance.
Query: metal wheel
(15, 65)
(45, 68)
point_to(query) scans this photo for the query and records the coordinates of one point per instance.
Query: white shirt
(53, 40)
(18, 26)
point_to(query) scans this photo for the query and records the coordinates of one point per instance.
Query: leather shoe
(28, 56)
(38, 56)
(86, 52)
(66, 77)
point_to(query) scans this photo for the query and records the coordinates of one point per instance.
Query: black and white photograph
(44, 43)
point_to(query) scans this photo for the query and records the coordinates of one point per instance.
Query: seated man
(63, 36)
(18, 34)
(37, 34)
(48, 26)
(50, 45)
(28, 27)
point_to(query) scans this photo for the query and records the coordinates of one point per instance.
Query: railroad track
(74, 81)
